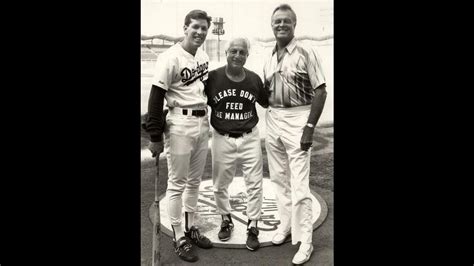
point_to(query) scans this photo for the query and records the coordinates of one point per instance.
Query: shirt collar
(289, 47)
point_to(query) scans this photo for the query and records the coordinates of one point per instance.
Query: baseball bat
(156, 218)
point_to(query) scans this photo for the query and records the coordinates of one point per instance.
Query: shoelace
(186, 247)
(226, 224)
(195, 234)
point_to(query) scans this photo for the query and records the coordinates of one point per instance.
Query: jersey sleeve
(155, 121)
(314, 67)
(164, 69)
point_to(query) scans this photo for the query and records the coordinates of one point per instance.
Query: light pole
(218, 30)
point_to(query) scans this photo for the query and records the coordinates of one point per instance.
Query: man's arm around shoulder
(263, 93)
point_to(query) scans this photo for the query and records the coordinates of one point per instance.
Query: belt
(188, 112)
(234, 135)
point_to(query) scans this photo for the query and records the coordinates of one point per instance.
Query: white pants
(186, 144)
(289, 170)
(227, 152)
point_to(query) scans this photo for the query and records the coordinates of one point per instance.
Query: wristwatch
(310, 125)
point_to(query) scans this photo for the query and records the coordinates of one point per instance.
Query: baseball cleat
(198, 239)
(226, 230)
(252, 239)
(184, 249)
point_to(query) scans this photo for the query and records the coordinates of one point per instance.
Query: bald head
(241, 41)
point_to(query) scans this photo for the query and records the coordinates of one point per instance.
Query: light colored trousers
(289, 170)
(227, 152)
(186, 145)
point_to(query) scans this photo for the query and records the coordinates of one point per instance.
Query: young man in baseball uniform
(179, 75)
(232, 92)
(297, 88)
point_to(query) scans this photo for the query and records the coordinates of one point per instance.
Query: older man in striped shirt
(297, 93)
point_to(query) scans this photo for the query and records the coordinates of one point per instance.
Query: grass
(321, 181)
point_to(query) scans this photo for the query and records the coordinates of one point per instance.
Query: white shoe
(303, 254)
(279, 238)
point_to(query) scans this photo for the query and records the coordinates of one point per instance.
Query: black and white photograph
(234, 105)
(237, 132)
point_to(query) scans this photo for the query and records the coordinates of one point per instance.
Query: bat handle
(156, 217)
(157, 166)
(156, 235)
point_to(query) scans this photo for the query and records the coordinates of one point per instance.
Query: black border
(74, 120)
(396, 135)
(73, 125)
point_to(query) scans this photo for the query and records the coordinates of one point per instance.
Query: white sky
(241, 17)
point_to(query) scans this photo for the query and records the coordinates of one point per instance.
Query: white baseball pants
(186, 144)
(227, 152)
(289, 170)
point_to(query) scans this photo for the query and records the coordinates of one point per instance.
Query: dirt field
(321, 181)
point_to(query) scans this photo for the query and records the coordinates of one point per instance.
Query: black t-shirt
(233, 103)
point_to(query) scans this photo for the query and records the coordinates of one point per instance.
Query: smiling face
(195, 33)
(283, 25)
(237, 53)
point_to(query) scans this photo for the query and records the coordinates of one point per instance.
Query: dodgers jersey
(293, 78)
(181, 74)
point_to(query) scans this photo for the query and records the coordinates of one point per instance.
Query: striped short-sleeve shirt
(292, 80)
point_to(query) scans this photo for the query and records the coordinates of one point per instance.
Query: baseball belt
(188, 111)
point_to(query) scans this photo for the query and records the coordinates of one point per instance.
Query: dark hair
(197, 14)
(284, 7)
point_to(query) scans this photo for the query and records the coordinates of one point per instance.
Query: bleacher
(149, 52)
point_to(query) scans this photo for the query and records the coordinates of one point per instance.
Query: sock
(188, 220)
(252, 223)
(177, 231)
